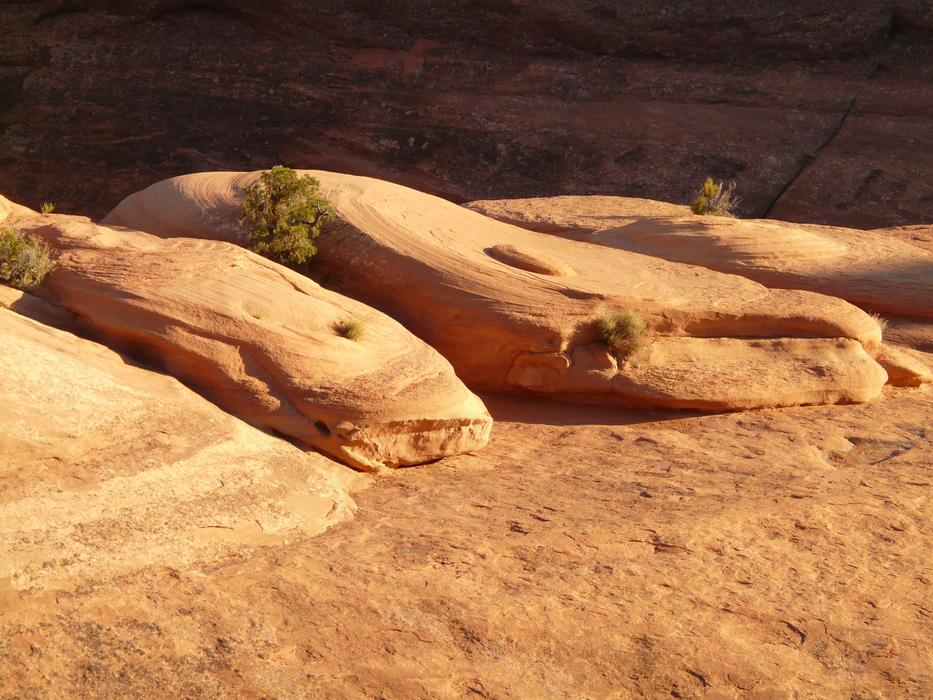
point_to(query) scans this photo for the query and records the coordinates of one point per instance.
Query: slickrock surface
(514, 309)
(260, 341)
(888, 271)
(587, 553)
(820, 109)
(107, 468)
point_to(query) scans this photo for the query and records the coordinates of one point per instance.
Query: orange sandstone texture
(514, 309)
(596, 552)
(106, 468)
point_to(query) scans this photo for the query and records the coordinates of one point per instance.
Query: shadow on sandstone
(543, 410)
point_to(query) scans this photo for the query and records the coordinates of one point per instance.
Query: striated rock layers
(819, 109)
(106, 468)
(888, 271)
(515, 309)
(261, 341)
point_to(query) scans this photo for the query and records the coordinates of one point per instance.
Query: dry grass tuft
(350, 328)
(881, 321)
(622, 331)
(715, 199)
(24, 259)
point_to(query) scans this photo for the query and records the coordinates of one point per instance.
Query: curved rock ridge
(424, 260)
(260, 340)
(905, 366)
(523, 260)
(712, 374)
(11, 211)
(888, 271)
(106, 468)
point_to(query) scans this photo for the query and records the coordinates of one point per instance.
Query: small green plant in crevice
(715, 199)
(349, 328)
(25, 260)
(622, 331)
(284, 214)
(47, 207)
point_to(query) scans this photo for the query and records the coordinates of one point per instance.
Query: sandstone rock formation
(260, 340)
(526, 320)
(820, 110)
(106, 468)
(884, 271)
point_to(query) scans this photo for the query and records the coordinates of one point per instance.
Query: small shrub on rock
(47, 207)
(351, 329)
(24, 259)
(622, 331)
(285, 213)
(715, 199)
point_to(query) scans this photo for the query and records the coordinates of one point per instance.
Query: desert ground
(585, 552)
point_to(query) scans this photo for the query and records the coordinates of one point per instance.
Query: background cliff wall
(821, 111)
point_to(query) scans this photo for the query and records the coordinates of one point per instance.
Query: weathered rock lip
(524, 260)
(905, 367)
(259, 340)
(427, 262)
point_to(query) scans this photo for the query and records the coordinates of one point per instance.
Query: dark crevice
(810, 158)
(891, 35)
(219, 8)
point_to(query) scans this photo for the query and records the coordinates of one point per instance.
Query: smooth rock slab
(106, 468)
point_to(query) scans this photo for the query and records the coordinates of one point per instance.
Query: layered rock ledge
(520, 321)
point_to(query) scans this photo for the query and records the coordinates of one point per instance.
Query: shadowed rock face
(817, 110)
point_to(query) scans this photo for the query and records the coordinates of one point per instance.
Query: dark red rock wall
(821, 111)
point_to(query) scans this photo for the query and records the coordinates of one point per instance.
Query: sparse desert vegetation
(285, 213)
(25, 260)
(349, 328)
(881, 321)
(622, 331)
(715, 199)
(47, 207)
